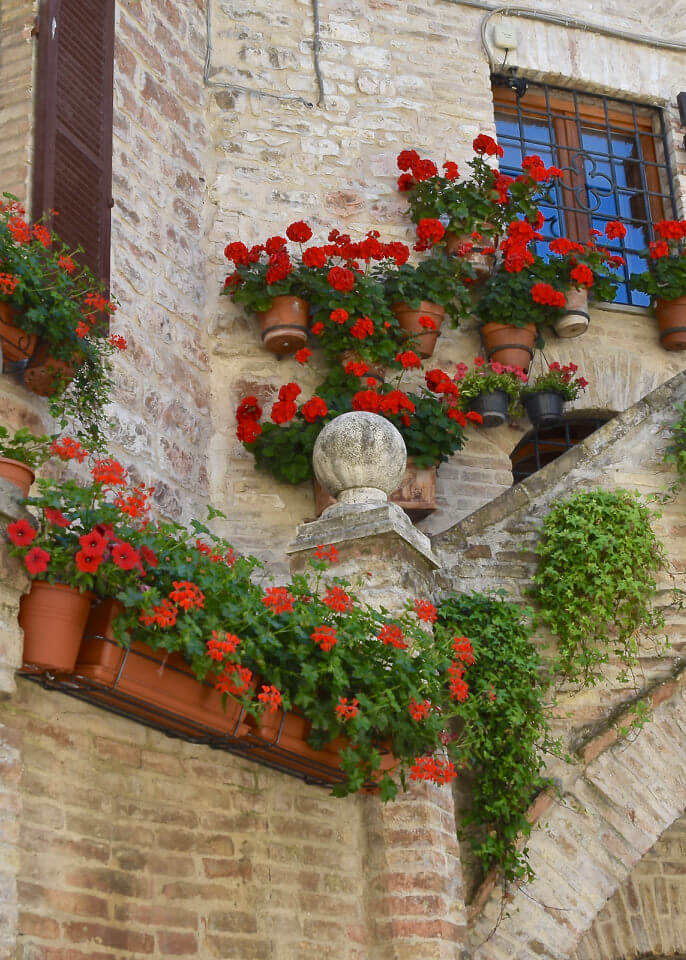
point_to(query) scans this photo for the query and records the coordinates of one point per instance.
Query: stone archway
(646, 916)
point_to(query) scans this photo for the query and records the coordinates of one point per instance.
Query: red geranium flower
(37, 560)
(314, 257)
(271, 697)
(237, 253)
(356, 369)
(317, 328)
(283, 411)
(109, 472)
(163, 615)
(341, 279)
(337, 600)
(248, 431)
(302, 356)
(68, 449)
(187, 594)
(299, 232)
(21, 533)
(407, 159)
(405, 182)
(346, 710)
(451, 170)
(582, 276)
(408, 359)
(545, 294)
(235, 680)
(279, 599)
(362, 328)
(289, 391)
(329, 553)
(419, 711)
(392, 636)
(314, 409)
(614, 230)
(367, 400)
(425, 611)
(429, 232)
(325, 637)
(274, 244)
(339, 315)
(485, 144)
(462, 647)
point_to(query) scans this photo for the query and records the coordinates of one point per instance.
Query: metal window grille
(541, 447)
(615, 159)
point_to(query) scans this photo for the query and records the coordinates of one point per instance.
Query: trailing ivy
(676, 451)
(596, 581)
(505, 731)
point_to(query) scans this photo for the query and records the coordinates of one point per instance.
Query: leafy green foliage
(596, 580)
(488, 378)
(676, 451)
(24, 446)
(506, 297)
(439, 279)
(665, 278)
(505, 731)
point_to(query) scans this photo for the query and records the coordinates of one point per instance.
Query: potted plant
(544, 397)
(665, 281)
(429, 421)
(518, 299)
(79, 545)
(421, 294)
(20, 454)
(492, 390)
(585, 270)
(476, 211)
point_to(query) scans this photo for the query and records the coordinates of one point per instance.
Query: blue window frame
(614, 157)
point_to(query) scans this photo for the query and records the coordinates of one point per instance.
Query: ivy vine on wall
(504, 733)
(596, 581)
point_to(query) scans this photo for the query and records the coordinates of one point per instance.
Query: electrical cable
(546, 16)
(229, 85)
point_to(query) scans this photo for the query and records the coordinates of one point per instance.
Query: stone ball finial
(359, 456)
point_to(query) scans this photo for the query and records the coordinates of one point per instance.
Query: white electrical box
(505, 36)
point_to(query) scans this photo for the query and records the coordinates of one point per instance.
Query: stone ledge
(523, 494)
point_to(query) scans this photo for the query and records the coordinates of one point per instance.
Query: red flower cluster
(247, 415)
(109, 472)
(439, 382)
(68, 449)
(462, 648)
(545, 294)
(163, 615)
(433, 769)
(392, 636)
(8, 283)
(362, 328)
(459, 689)
(356, 369)
(66, 263)
(299, 232)
(279, 599)
(537, 170)
(271, 697)
(119, 343)
(303, 355)
(408, 359)
(396, 402)
(671, 229)
(56, 517)
(483, 144)
(337, 600)
(20, 230)
(329, 553)
(125, 556)
(325, 637)
(226, 683)
(429, 233)
(614, 230)
(341, 279)
(425, 611)
(582, 276)
(187, 594)
(314, 409)
(419, 711)
(568, 372)
(346, 710)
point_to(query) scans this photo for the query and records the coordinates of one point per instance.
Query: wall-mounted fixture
(681, 104)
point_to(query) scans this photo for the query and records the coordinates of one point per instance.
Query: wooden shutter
(73, 142)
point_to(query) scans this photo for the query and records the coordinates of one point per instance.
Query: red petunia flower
(125, 557)
(93, 543)
(21, 533)
(56, 517)
(88, 562)
(36, 561)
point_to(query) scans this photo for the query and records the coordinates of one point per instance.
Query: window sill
(622, 308)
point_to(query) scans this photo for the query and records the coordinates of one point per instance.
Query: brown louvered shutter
(73, 155)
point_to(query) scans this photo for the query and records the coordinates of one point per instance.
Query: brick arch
(611, 812)
(646, 916)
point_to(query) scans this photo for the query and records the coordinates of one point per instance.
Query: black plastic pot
(544, 409)
(493, 407)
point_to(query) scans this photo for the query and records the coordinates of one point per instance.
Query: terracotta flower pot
(483, 263)
(15, 344)
(512, 346)
(45, 373)
(544, 409)
(284, 325)
(157, 686)
(575, 319)
(671, 319)
(18, 473)
(408, 319)
(416, 494)
(52, 616)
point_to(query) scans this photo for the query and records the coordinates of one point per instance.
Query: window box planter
(153, 681)
(284, 325)
(416, 494)
(493, 407)
(545, 408)
(671, 319)
(53, 616)
(408, 319)
(512, 346)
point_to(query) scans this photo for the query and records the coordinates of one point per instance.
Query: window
(540, 447)
(614, 157)
(73, 149)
